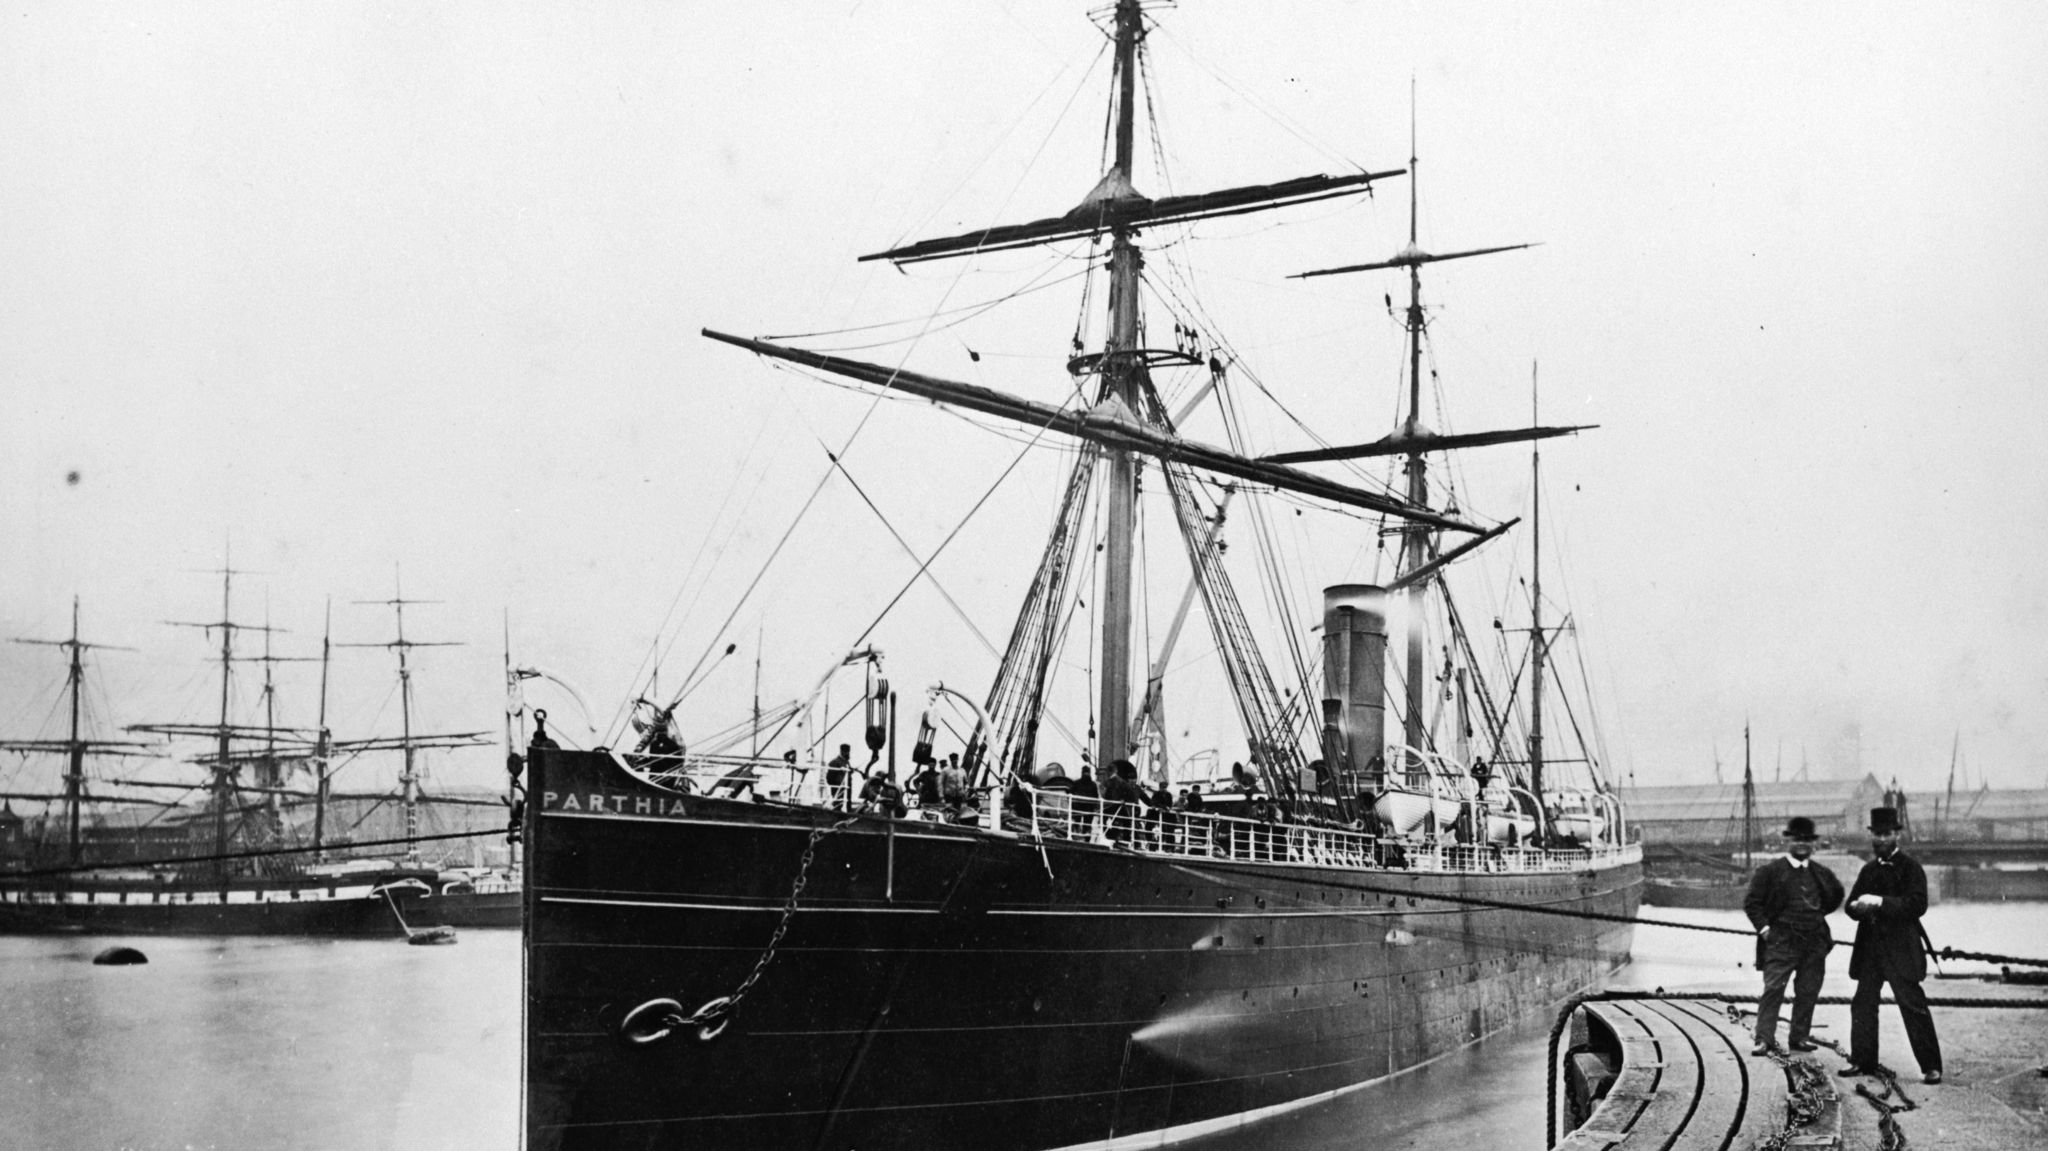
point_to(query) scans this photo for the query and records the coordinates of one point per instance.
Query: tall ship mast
(980, 949)
(246, 859)
(409, 743)
(77, 746)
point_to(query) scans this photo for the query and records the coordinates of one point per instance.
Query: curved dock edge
(1643, 1072)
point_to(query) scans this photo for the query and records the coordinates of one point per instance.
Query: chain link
(656, 1019)
(803, 872)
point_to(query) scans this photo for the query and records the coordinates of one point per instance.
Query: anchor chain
(656, 1019)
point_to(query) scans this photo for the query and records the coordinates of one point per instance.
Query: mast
(223, 732)
(1412, 440)
(1949, 803)
(1414, 537)
(74, 776)
(1120, 382)
(515, 708)
(1536, 604)
(322, 738)
(222, 782)
(77, 747)
(1124, 422)
(269, 777)
(1748, 804)
(407, 743)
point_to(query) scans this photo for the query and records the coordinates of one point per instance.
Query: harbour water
(302, 1043)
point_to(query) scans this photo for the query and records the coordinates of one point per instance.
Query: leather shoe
(1803, 1045)
(1851, 1071)
(1931, 1077)
(1763, 1048)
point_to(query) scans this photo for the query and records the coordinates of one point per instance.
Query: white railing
(1140, 828)
(1199, 835)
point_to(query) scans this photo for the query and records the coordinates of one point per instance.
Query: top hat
(1800, 827)
(1884, 820)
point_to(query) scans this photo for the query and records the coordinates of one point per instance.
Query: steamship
(725, 951)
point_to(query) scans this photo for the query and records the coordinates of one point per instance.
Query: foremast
(77, 747)
(1126, 422)
(1121, 371)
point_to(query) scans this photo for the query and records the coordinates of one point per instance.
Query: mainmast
(1413, 441)
(1414, 536)
(224, 762)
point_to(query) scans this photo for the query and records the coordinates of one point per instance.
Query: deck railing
(1200, 835)
(1053, 814)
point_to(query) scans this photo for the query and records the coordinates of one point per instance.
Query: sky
(377, 299)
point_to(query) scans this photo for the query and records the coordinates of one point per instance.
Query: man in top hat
(1887, 902)
(1788, 903)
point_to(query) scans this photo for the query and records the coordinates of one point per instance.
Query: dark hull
(468, 909)
(945, 986)
(349, 916)
(299, 906)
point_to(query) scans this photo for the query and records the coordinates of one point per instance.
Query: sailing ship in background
(1026, 966)
(1706, 880)
(258, 855)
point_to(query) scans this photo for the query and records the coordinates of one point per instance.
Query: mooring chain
(1890, 1136)
(656, 1019)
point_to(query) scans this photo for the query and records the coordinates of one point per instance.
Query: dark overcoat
(1771, 890)
(1773, 886)
(1888, 936)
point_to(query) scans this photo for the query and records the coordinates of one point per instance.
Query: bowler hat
(1884, 819)
(1800, 827)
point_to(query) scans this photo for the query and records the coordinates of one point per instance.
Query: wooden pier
(1675, 1073)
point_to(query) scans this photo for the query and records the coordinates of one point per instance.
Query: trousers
(1801, 962)
(1913, 1011)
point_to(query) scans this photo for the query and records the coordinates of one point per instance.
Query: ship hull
(500, 908)
(245, 910)
(943, 986)
(236, 909)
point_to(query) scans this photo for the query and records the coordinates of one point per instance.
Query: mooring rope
(1581, 913)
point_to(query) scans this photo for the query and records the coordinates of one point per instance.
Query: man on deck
(1789, 901)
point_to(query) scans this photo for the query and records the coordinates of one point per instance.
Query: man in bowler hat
(1887, 902)
(1788, 903)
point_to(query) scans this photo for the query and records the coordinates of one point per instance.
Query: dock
(1633, 1071)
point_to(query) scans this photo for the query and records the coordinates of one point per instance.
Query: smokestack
(1354, 685)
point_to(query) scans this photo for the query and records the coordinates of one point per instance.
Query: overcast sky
(359, 294)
